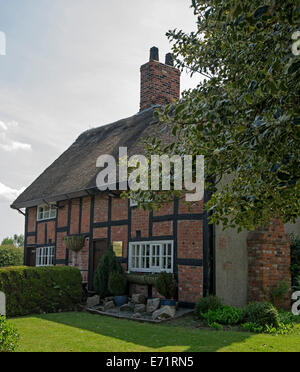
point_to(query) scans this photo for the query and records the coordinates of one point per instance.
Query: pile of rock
(138, 307)
(100, 304)
(151, 307)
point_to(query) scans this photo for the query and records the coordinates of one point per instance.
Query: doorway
(99, 248)
(31, 257)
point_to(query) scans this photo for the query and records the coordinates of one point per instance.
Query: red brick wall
(163, 228)
(190, 239)
(41, 233)
(119, 209)
(268, 261)
(100, 208)
(62, 214)
(139, 222)
(190, 284)
(160, 84)
(51, 231)
(185, 208)
(31, 219)
(60, 246)
(85, 218)
(100, 233)
(74, 224)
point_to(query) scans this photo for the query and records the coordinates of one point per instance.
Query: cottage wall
(107, 217)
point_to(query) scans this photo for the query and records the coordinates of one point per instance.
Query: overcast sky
(71, 65)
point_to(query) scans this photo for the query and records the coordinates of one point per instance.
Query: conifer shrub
(117, 283)
(107, 264)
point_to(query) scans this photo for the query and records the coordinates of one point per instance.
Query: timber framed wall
(103, 216)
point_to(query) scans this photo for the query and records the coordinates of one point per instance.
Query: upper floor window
(151, 256)
(46, 212)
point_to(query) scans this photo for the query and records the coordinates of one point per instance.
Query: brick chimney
(160, 82)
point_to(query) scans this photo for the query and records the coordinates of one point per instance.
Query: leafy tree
(7, 241)
(19, 240)
(244, 116)
(16, 240)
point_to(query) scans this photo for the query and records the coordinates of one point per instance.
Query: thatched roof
(74, 173)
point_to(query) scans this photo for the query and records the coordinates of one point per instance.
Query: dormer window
(46, 212)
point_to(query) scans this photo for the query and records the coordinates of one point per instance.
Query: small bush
(108, 264)
(35, 290)
(226, 315)
(207, 303)
(281, 329)
(11, 256)
(8, 336)
(216, 326)
(287, 317)
(117, 283)
(276, 294)
(252, 327)
(166, 285)
(261, 314)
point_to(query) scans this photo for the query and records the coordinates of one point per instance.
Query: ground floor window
(151, 256)
(45, 256)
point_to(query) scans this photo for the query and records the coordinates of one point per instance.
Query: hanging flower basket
(74, 243)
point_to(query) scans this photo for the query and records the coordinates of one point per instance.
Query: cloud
(7, 193)
(6, 142)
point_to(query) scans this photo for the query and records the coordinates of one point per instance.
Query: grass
(72, 332)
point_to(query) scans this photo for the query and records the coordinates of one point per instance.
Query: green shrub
(287, 317)
(252, 327)
(11, 256)
(261, 314)
(216, 326)
(276, 294)
(8, 336)
(295, 260)
(226, 315)
(35, 290)
(107, 264)
(166, 285)
(117, 283)
(207, 303)
(281, 329)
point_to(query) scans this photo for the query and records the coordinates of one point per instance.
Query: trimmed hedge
(11, 256)
(36, 290)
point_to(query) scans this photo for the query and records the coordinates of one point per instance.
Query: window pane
(53, 213)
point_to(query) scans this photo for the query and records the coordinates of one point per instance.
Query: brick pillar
(268, 262)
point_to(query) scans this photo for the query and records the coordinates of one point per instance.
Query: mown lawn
(70, 332)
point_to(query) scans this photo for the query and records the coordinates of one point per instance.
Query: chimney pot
(154, 54)
(169, 59)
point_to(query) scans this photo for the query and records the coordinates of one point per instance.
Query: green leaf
(260, 11)
(248, 99)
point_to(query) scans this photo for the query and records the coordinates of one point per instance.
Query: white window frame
(140, 258)
(41, 213)
(45, 256)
